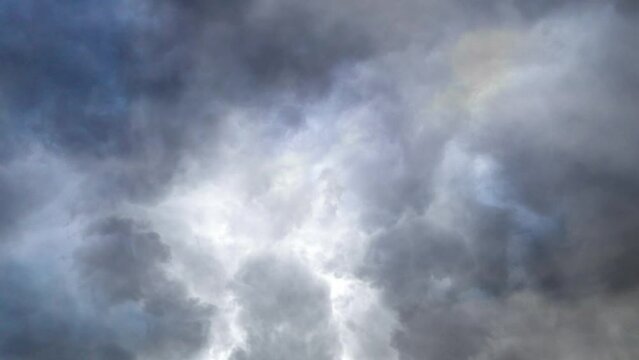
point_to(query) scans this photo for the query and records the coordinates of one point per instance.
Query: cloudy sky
(332, 180)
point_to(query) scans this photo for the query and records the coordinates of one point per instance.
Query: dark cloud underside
(275, 179)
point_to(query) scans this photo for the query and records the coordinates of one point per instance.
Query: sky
(333, 180)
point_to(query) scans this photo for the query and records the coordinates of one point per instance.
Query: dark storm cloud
(138, 85)
(125, 91)
(413, 264)
(501, 219)
(561, 225)
(65, 83)
(13, 205)
(286, 312)
(437, 326)
(21, 189)
(60, 68)
(250, 52)
(123, 263)
(538, 8)
(39, 321)
(578, 166)
(437, 279)
(124, 307)
(627, 7)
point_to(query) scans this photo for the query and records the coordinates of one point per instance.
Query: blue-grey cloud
(473, 161)
(123, 307)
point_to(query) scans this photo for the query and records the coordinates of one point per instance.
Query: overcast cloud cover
(343, 179)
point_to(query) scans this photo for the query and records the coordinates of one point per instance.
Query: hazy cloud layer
(358, 179)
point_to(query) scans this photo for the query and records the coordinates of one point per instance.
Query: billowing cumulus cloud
(302, 327)
(359, 179)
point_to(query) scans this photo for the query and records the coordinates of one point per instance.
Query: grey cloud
(138, 84)
(249, 52)
(438, 280)
(125, 93)
(536, 9)
(285, 310)
(40, 321)
(563, 228)
(21, 191)
(123, 261)
(64, 83)
(13, 206)
(577, 166)
(626, 7)
(531, 328)
(445, 332)
(123, 264)
(538, 262)
(125, 305)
